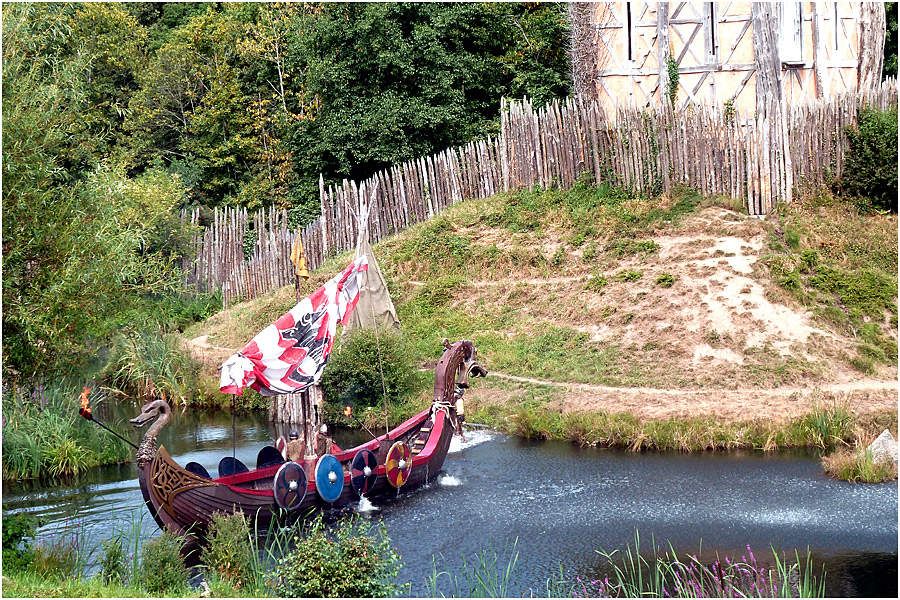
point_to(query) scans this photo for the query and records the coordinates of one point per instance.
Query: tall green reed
(485, 577)
(45, 437)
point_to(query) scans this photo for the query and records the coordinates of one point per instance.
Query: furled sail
(289, 355)
(376, 309)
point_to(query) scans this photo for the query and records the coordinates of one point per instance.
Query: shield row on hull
(184, 502)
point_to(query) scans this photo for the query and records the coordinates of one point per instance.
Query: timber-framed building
(727, 54)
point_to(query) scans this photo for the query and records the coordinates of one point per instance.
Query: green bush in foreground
(351, 562)
(162, 568)
(355, 369)
(228, 551)
(18, 533)
(113, 562)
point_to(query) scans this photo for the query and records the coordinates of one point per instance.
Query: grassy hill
(591, 300)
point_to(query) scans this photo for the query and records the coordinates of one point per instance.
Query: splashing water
(365, 506)
(473, 438)
(447, 480)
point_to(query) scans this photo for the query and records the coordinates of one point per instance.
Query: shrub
(18, 533)
(870, 167)
(629, 275)
(858, 466)
(149, 362)
(666, 280)
(348, 562)
(113, 562)
(354, 373)
(228, 551)
(596, 283)
(630, 247)
(162, 569)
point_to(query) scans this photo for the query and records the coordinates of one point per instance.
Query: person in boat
(324, 443)
(295, 448)
(460, 406)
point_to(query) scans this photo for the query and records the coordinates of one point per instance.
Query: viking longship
(289, 355)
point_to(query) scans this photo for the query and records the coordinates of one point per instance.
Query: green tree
(75, 233)
(890, 41)
(249, 103)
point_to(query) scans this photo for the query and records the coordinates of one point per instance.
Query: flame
(85, 410)
(348, 411)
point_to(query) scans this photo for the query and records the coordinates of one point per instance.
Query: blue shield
(329, 478)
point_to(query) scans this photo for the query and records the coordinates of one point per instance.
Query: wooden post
(871, 45)
(662, 48)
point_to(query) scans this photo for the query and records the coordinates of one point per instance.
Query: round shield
(329, 478)
(362, 471)
(289, 486)
(268, 456)
(231, 466)
(398, 464)
(197, 469)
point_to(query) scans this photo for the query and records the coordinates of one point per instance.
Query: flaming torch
(85, 411)
(348, 412)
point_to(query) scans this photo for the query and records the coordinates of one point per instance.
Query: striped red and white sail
(289, 355)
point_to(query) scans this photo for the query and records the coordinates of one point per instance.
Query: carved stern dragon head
(161, 411)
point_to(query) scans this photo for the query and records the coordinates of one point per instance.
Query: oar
(85, 411)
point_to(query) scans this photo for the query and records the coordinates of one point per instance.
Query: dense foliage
(248, 103)
(118, 115)
(18, 533)
(353, 561)
(45, 437)
(870, 168)
(162, 568)
(368, 367)
(890, 41)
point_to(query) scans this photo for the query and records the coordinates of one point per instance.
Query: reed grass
(857, 465)
(147, 363)
(824, 427)
(44, 435)
(485, 577)
(660, 573)
(636, 572)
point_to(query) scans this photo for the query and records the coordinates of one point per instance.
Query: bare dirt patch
(718, 320)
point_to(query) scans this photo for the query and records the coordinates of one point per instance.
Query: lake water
(555, 503)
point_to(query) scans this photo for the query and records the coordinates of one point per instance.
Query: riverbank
(536, 412)
(606, 295)
(45, 437)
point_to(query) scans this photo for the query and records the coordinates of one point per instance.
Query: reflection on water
(557, 503)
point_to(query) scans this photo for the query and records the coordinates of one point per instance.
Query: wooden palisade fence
(761, 159)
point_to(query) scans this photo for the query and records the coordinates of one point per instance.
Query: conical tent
(375, 307)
